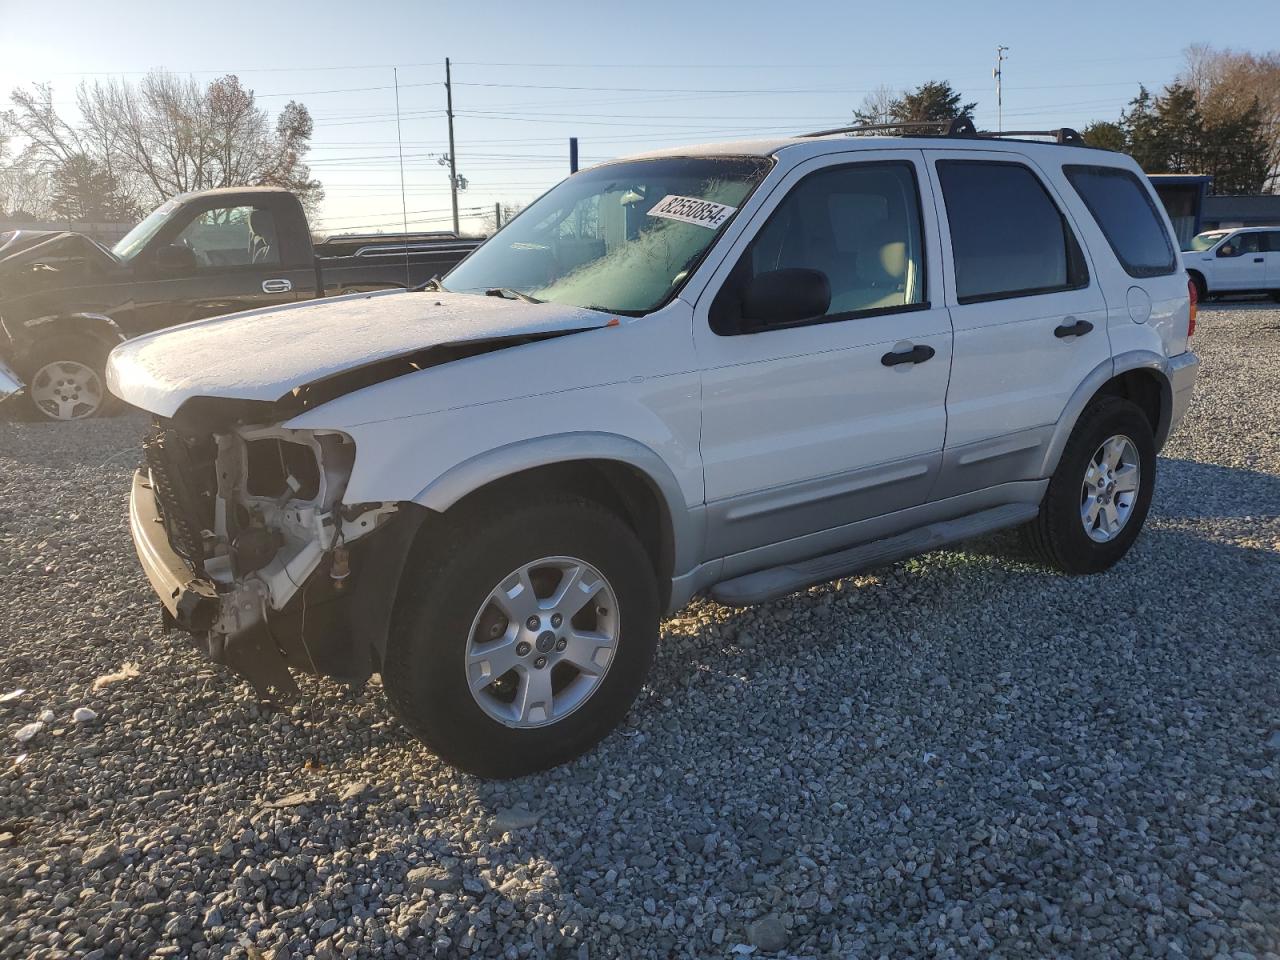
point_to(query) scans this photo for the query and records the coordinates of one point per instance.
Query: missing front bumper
(191, 600)
(192, 603)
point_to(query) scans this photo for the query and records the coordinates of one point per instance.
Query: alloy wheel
(1110, 488)
(67, 390)
(542, 642)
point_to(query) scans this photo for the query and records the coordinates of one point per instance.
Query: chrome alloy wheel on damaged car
(1110, 488)
(542, 642)
(67, 390)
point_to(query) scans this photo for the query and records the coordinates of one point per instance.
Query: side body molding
(687, 524)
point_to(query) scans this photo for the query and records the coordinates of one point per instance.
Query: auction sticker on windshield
(702, 213)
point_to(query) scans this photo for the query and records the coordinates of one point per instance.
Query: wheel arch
(96, 327)
(1198, 277)
(617, 471)
(1140, 376)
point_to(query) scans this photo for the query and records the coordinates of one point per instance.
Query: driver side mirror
(175, 258)
(785, 296)
(1226, 250)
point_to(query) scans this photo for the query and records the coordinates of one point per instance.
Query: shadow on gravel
(1190, 490)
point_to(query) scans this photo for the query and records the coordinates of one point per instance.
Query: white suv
(1244, 260)
(738, 369)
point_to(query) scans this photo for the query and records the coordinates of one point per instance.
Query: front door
(222, 260)
(814, 423)
(1239, 264)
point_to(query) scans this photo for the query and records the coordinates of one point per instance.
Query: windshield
(1203, 241)
(621, 238)
(137, 238)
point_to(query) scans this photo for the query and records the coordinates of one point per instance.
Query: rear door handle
(277, 286)
(1077, 329)
(917, 354)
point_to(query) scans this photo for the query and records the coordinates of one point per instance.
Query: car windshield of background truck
(1203, 241)
(621, 238)
(139, 236)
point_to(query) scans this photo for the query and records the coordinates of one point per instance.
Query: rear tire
(463, 598)
(66, 379)
(1086, 485)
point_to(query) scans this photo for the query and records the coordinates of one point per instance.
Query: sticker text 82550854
(703, 213)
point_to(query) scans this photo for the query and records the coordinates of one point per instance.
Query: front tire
(1099, 495)
(66, 379)
(482, 684)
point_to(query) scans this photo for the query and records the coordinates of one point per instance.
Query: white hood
(264, 354)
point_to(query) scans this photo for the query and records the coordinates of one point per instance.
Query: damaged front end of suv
(243, 532)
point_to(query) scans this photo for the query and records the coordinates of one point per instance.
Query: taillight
(1194, 294)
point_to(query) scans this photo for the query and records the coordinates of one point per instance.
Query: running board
(765, 585)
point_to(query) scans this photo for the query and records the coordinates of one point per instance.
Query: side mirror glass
(175, 258)
(786, 296)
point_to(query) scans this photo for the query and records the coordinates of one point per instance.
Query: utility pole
(453, 161)
(497, 216)
(573, 154)
(998, 73)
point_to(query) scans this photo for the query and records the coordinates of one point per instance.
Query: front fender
(479, 471)
(27, 335)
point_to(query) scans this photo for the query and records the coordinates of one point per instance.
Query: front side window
(1127, 217)
(1241, 244)
(1008, 237)
(232, 237)
(622, 237)
(857, 225)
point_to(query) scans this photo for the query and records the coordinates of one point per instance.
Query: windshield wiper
(507, 293)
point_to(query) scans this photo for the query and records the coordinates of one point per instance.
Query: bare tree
(1227, 84)
(489, 221)
(167, 135)
(877, 106)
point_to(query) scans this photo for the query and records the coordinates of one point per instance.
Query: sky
(623, 78)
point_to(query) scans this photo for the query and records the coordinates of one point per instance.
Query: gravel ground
(959, 755)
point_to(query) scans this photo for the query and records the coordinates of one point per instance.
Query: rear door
(1271, 251)
(1030, 321)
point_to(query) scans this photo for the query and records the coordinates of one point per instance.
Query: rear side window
(1127, 217)
(1008, 237)
(1271, 242)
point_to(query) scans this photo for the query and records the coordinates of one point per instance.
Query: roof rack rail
(960, 126)
(957, 127)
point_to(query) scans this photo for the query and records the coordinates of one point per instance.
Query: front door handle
(917, 354)
(1257, 259)
(1077, 329)
(277, 286)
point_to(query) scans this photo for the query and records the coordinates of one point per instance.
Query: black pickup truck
(66, 300)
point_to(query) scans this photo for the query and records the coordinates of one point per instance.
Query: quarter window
(1008, 237)
(1127, 217)
(859, 225)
